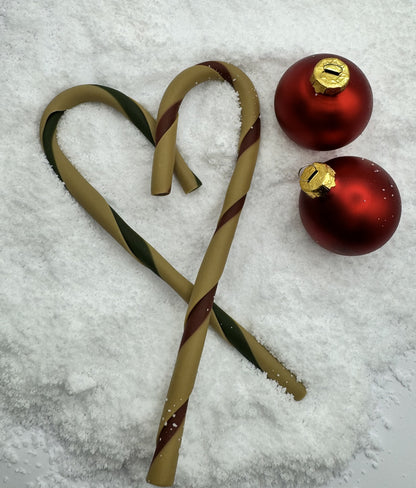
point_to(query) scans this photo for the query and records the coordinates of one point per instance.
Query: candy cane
(94, 203)
(163, 466)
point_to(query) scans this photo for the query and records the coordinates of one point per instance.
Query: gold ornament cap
(330, 76)
(317, 179)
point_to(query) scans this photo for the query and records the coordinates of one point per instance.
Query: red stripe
(251, 137)
(170, 427)
(166, 120)
(198, 314)
(219, 68)
(231, 212)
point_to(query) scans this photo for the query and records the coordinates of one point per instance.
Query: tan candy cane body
(163, 467)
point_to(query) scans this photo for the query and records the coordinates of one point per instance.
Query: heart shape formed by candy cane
(201, 308)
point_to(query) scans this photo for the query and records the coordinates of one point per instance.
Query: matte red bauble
(349, 205)
(323, 102)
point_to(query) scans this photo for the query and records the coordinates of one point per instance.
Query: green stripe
(137, 244)
(198, 181)
(234, 335)
(47, 138)
(132, 110)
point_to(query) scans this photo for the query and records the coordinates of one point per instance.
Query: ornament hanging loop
(330, 76)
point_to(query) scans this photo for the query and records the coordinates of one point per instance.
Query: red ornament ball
(349, 205)
(323, 102)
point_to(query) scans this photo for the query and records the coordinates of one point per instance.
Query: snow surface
(88, 337)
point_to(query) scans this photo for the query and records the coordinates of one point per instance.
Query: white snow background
(88, 337)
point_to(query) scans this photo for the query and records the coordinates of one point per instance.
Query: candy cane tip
(190, 190)
(159, 192)
(300, 393)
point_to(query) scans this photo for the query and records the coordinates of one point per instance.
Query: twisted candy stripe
(135, 245)
(163, 467)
